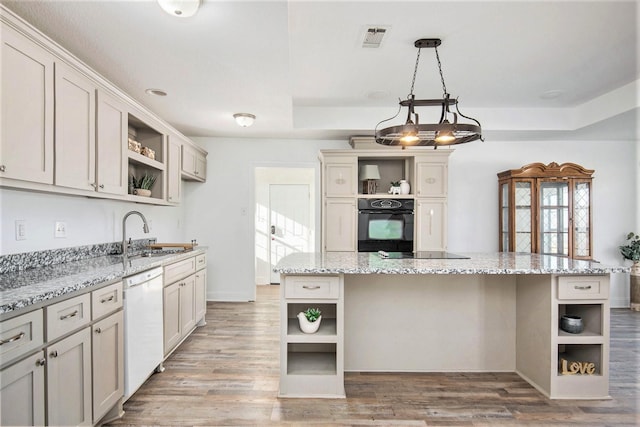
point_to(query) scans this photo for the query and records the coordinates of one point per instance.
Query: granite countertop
(477, 263)
(29, 287)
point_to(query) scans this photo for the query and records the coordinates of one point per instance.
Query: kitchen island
(491, 312)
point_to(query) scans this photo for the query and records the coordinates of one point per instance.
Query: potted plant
(309, 320)
(395, 187)
(142, 186)
(631, 251)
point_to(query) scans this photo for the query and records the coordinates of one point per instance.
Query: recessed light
(157, 92)
(552, 94)
(244, 119)
(180, 8)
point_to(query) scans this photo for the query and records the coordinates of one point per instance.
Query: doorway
(285, 217)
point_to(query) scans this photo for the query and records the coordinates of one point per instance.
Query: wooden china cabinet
(546, 209)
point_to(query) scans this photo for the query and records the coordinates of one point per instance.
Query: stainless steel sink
(152, 254)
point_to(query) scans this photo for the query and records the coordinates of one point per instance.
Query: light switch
(21, 229)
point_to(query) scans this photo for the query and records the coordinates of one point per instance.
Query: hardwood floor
(226, 373)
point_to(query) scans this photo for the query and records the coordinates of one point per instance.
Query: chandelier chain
(415, 71)
(444, 87)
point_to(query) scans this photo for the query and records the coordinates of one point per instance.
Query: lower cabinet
(108, 363)
(201, 294)
(179, 312)
(69, 380)
(339, 225)
(22, 391)
(431, 224)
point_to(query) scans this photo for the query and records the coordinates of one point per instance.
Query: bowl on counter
(571, 324)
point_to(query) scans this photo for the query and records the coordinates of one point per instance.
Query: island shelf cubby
(591, 315)
(327, 332)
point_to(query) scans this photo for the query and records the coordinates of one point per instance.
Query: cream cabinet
(69, 380)
(431, 177)
(431, 224)
(194, 163)
(340, 176)
(312, 365)
(26, 122)
(171, 316)
(201, 289)
(179, 302)
(111, 137)
(75, 138)
(22, 392)
(174, 164)
(108, 363)
(339, 225)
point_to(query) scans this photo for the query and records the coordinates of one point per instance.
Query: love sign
(572, 368)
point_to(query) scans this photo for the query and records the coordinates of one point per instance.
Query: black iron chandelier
(448, 131)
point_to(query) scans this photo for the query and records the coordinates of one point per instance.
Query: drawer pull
(98, 330)
(102, 301)
(12, 339)
(66, 316)
(54, 353)
(41, 362)
(311, 287)
(582, 288)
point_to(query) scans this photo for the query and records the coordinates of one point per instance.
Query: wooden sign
(573, 368)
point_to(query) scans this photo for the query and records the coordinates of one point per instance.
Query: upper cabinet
(340, 176)
(431, 177)
(26, 122)
(194, 163)
(66, 129)
(546, 209)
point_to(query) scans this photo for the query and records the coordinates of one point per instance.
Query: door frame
(266, 174)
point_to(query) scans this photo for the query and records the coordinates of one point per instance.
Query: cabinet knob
(94, 185)
(54, 353)
(98, 330)
(41, 362)
(3, 168)
(101, 185)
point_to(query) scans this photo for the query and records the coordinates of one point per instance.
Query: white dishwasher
(143, 336)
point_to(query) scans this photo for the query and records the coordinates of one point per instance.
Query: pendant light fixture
(448, 130)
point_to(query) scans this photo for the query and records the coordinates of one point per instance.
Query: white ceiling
(300, 68)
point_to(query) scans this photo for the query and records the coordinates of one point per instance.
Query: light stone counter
(478, 263)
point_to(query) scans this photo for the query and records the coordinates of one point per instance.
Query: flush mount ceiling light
(244, 119)
(448, 131)
(180, 8)
(157, 92)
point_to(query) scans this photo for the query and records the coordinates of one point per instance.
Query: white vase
(306, 326)
(405, 188)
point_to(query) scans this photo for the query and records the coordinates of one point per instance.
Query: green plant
(395, 183)
(146, 182)
(312, 314)
(631, 250)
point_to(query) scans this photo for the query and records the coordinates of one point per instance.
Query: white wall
(214, 213)
(216, 210)
(89, 221)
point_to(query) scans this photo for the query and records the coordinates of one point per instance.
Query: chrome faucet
(145, 228)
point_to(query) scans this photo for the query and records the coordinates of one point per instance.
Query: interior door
(290, 222)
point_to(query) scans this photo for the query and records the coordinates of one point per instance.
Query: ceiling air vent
(373, 36)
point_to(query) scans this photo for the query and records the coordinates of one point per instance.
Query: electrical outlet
(60, 230)
(21, 229)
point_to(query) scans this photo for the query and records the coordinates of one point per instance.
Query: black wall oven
(385, 225)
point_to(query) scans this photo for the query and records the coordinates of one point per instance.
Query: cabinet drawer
(20, 335)
(68, 315)
(313, 287)
(201, 261)
(583, 287)
(106, 300)
(179, 270)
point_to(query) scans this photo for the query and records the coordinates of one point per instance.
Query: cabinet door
(26, 122)
(431, 225)
(74, 129)
(108, 364)
(187, 305)
(188, 160)
(554, 228)
(69, 380)
(201, 167)
(431, 179)
(201, 294)
(174, 181)
(340, 225)
(22, 392)
(111, 144)
(581, 219)
(171, 304)
(340, 177)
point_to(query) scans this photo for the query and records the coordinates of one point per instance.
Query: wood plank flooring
(226, 374)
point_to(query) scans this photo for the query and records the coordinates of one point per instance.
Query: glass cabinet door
(523, 216)
(581, 219)
(554, 218)
(504, 217)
